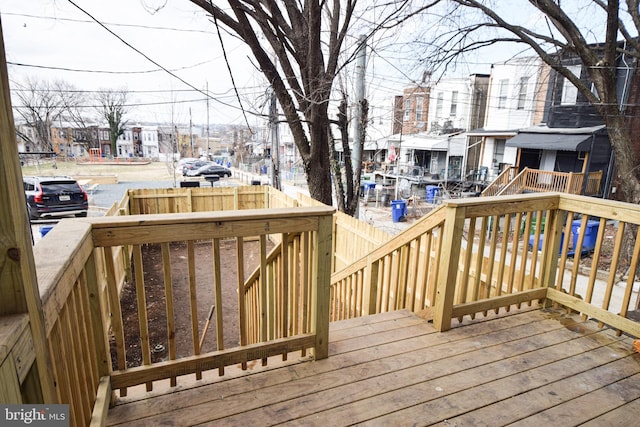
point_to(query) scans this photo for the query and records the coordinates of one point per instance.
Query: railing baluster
(168, 292)
(193, 301)
(116, 312)
(242, 311)
(143, 323)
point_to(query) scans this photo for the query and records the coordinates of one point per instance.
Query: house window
(502, 94)
(419, 105)
(522, 92)
(439, 102)
(454, 103)
(407, 108)
(569, 91)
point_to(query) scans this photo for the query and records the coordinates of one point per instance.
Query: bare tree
(475, 24)
(40, 103)
(112, 108)
(308, 40)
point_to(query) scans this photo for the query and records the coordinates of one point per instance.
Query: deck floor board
(395, 369)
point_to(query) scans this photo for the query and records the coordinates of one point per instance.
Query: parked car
(194, 164)
(211, 169)
(54, 196)
(183, 161)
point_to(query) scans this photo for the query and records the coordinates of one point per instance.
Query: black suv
(54, 196)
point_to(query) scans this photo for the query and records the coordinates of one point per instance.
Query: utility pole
(190, 132)
(356, 158)
(208, 121)
(275, 141)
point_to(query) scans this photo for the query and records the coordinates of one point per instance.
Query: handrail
(490, 253)
(81, 301)
(535, 180)
(503, 179)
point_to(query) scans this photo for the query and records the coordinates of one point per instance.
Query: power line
(113, 24)
(49, 67)
(147, 57)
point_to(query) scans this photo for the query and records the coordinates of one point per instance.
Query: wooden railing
(83, 311)
(352, 238)
(465, 258)
(535, 180)
(475, 255)
(501, 181)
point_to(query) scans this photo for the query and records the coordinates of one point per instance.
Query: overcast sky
(53, 39)
(48, 36)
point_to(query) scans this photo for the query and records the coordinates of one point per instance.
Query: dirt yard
(157, 307)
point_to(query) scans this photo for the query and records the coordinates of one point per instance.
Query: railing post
(370, 291)
(322, 262)
(448, 269)
(552, 239)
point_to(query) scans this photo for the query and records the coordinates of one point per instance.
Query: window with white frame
(522, 92)
(419, 104)
(439, 102)
(569, 91)
(454, 103)
(407, 108)
(502, 93)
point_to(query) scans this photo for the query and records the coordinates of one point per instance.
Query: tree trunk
(317, 165)
(626, 164)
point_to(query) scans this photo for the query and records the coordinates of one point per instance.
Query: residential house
(572, 137)
(455, 106)
(139, 141)
(516, 95)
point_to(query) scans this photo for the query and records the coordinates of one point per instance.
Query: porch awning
(551, 141)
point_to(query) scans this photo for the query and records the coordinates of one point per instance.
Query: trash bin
(532, 239)
(431, 192)
(44, 229)
(398, 210)
(590, 234)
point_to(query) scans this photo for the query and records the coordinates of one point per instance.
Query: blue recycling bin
(432, 190)
(590, 234)
(532, 239)
(398, 210)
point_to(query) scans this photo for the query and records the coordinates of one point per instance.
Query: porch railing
(80, 269)
(501, 181)
(535, 180)
(475, 255)
(465, 258)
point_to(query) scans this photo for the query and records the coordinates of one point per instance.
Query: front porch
(531, 366)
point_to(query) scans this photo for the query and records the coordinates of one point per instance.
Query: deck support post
(450, 254)
(323, 255)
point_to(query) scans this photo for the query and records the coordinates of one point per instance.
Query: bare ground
(156, 302)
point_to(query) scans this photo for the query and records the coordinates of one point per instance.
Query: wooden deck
(532, 368)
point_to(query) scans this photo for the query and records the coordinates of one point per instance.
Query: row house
(139, 141)
(435, 147)
(516, 97)
(564, 137)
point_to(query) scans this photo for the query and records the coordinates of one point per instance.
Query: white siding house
(513, 103)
